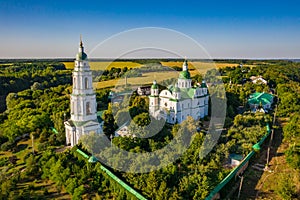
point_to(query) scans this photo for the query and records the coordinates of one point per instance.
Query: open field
(120, 64)
(146, 78)
(105, 65)
(202, 65)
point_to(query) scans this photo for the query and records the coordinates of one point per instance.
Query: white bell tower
(83, 101)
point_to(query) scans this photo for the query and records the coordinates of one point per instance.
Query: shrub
(286, 188)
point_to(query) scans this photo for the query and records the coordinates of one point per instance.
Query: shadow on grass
(20, 147)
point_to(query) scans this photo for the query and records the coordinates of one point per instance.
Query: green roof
(173, 88)
(187, 93)
(176, 89)
(81, 123)
(185, 75)
(154, 86)
(260, 98)
(256, 147)
(92, 159)
(81, 56)
(238, 157)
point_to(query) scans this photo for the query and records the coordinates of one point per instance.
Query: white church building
(83, 102)
(179, 101)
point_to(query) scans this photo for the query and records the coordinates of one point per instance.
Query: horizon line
(149, 58)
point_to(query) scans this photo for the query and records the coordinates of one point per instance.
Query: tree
(36, 86)
(93, 142)
(72, 184)
(11, 100)
(142, 119)
(122, 116)
(78, 192)
(109, 126)
(31, 165)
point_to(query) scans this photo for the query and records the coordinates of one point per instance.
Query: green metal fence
(114, 177)
(237, 168)
(212, 193)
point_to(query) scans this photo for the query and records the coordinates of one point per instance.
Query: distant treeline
(150, 60)
(16, 77)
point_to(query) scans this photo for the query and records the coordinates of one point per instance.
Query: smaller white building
(235, 159)
(258, 80)
(123, 130)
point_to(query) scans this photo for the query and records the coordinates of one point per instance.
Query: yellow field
(203, 66)
(105, 65)
(147, 78)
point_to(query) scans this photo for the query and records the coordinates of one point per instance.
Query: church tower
(153, 99)
(83, 101)
(184, 80)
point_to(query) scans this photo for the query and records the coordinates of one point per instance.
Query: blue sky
(226, 29)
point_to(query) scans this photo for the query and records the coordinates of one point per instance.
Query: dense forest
(37, 99)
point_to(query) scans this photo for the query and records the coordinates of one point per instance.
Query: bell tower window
(74, 82)
(86, 83)
(88, 108)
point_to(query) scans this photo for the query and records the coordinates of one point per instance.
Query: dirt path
(263, 184)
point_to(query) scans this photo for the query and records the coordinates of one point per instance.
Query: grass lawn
(38, 188)
(24, 147)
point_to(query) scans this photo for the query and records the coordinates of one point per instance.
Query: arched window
(88, 108)
(86, 82)
(79, 109)
(74, 82)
